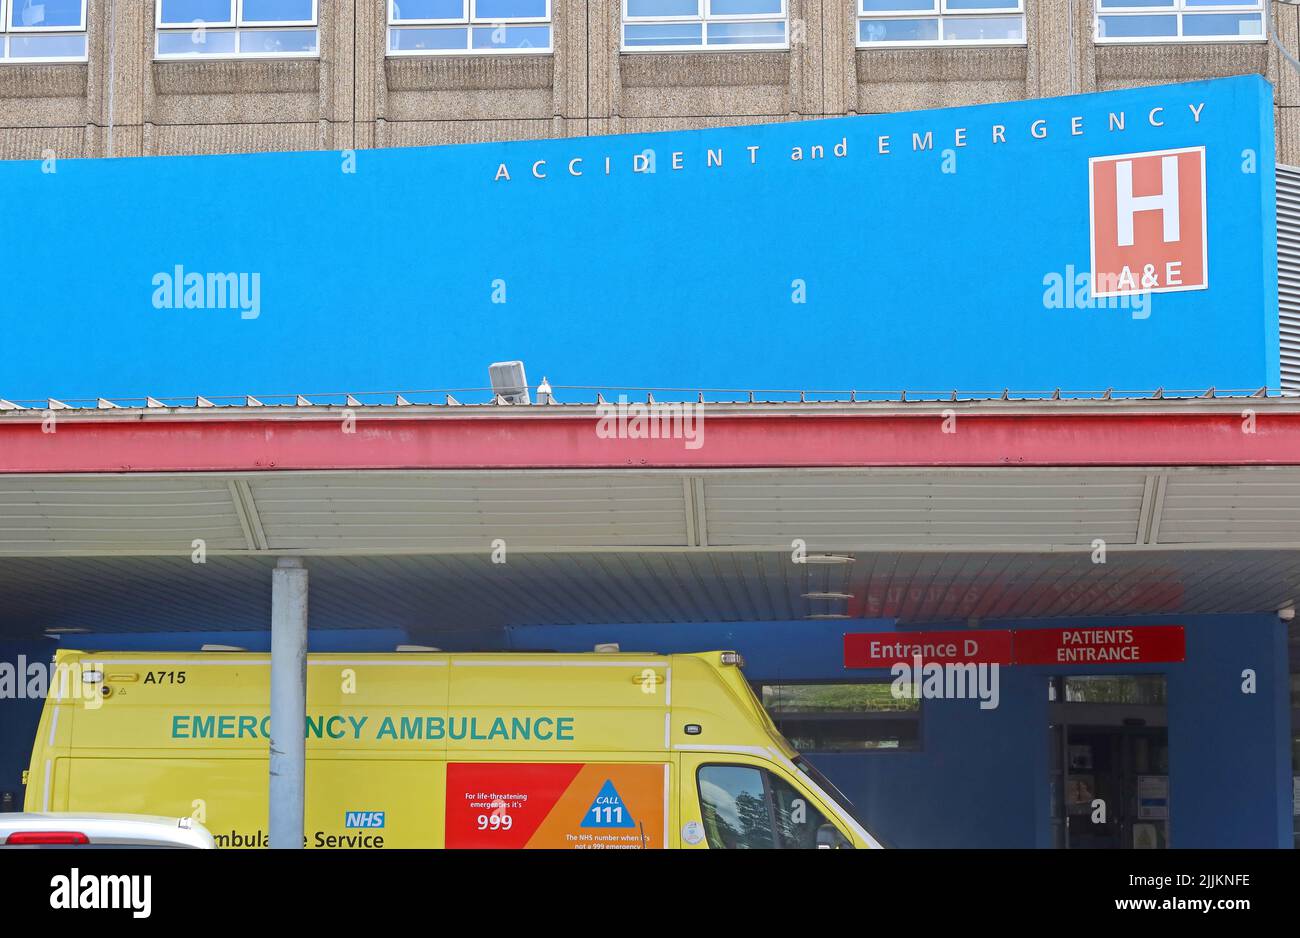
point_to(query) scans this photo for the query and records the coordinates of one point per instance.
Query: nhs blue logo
(363, 819)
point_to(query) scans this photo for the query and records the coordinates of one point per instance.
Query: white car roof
(142, 830)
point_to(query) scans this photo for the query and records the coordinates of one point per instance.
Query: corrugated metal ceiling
(430, 594)
(414, 550)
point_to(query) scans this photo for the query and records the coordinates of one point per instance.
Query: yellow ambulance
(592, 751)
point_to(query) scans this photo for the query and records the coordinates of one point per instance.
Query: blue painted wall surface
(383, 278)
(980, 778)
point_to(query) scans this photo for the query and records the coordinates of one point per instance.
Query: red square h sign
(1147, 213)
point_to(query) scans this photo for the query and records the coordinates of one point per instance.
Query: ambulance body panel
(584, 751)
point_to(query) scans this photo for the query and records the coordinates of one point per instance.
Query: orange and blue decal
(566, 806)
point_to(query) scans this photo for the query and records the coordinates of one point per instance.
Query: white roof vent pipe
(544, 395)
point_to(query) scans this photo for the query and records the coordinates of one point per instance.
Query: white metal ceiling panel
(923, 507)
(60, 514)
(468, 511)
(1234, 506)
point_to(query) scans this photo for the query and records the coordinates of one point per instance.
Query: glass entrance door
(1110, 762)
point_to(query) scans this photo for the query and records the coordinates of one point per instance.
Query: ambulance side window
(747, 807)
(734, 802)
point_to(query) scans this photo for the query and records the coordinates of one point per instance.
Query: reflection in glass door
(1109, 770)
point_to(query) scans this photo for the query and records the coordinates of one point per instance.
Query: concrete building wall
(123, 103)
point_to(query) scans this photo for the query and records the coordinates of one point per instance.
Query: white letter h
(1127, 204)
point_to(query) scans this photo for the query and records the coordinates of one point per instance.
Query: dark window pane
(416, 40)
(277, 11)
(1137, 26)
(1223, 24)
(522, 38)
(277, 41)
(52, 46)
(797, 821)
(46, 13)
(1126, 689)
(663, 34)
(429, 10)
(898, 30)
(185, 12)
(840, 698)
(507, 9)
(734, 804)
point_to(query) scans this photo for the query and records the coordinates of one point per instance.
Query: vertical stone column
(1286, 87)
(120, 37)
(1055, 46)
(369, 82)
(570, 37)
(806, 70)
(338, 27)
(839, 24)
(604, 19)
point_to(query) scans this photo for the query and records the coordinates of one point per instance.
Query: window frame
(1177, 9)
(766, 774)
(767, 797)
(783, 721)
(941, 12)
(236, 26)
(469, 21)
(7, 31)
(705, 17)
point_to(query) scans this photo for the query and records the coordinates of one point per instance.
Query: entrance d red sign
(886, 649)
(1076, 646)
(1143, 645)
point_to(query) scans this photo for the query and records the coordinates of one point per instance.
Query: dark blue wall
(18, 719)
(980, 778)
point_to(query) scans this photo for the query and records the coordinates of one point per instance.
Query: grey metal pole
(288, 702)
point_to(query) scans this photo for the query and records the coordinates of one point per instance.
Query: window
(886, 23)
(1179, 20)
(685, 25)
(1141, 689)
(843, 717)
(214, 29)
(745, 807)
(42, 30)
(468, 27)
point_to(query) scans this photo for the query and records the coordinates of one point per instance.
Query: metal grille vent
(1288, 274)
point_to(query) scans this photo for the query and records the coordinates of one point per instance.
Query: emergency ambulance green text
(348, 726)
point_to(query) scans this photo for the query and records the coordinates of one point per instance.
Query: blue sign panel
(1124, 239)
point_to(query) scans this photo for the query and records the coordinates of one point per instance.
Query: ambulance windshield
(826, 785)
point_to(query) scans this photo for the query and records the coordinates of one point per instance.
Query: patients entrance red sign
(1145, 644)
(886, 649)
